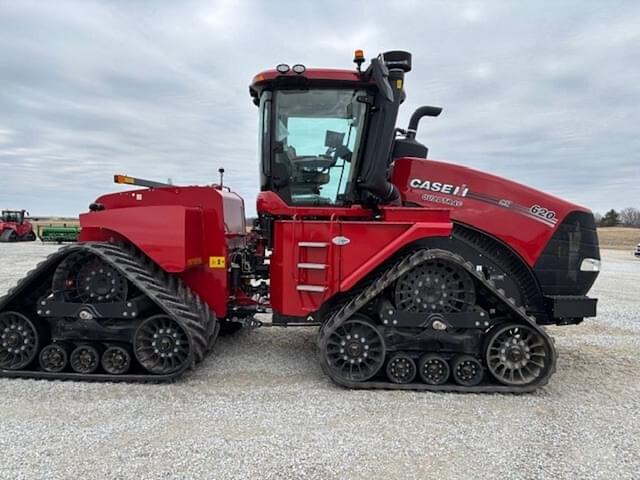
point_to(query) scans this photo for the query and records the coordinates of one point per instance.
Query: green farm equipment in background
(59, 233)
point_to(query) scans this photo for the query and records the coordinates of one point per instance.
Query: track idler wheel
(54, 357)
(518, 355)
(433, 369)
(401, 369)
(355, 351)
(85, 359)
(467, 370)
(19, 341)
(116, 360)
(161, 345)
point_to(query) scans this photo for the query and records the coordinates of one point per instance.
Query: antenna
(221, 172)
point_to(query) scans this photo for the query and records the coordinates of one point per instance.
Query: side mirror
(380, 74)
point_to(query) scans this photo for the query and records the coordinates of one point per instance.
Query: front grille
(558, 268)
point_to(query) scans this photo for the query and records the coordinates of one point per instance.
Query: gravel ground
(260, 407)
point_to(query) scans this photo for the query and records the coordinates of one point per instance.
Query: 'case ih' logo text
(447, 188)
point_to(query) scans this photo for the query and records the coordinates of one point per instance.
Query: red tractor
(15, 228)
(420, 274)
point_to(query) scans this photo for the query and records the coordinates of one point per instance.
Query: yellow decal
(194, 261)
(398, 84)
(216, 262)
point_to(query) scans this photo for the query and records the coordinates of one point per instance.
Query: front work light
(298, 68)
(282, 68)
(590, 265)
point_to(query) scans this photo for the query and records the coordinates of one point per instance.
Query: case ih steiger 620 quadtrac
(420, 274)
(14, 227)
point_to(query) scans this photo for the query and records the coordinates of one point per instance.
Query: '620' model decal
(543, 212)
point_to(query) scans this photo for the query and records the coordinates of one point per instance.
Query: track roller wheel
(85, 359)
(355, 351)
(18, 342)
(161, 345)
(433, 369)
(54, 357)
(401, 368)
(116, 360)
(518, 355)
(467, 370)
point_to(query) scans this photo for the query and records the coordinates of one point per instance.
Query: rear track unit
(98, 311)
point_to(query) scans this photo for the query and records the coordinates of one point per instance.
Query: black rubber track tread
(375, 286)
(167, 291)
(10, 236)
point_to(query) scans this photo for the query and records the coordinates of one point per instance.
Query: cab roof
(310, 73)
(317, 76)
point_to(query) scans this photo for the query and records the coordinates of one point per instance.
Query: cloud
(543, 93)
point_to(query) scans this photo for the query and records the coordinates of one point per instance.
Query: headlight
(590, 265)
(298, 68)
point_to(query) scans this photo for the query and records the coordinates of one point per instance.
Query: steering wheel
(313, 162)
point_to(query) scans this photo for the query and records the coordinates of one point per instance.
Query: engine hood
(520, 216)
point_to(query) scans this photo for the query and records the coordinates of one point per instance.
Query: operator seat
(304, 181)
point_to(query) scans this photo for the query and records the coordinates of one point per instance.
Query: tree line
(628, 217)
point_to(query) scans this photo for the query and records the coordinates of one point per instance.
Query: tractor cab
(328, 137)
(13, 216)
(315, 136)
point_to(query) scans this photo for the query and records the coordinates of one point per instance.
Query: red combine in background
(420, 274)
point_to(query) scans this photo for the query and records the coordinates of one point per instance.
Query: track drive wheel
(518, 355)
(355, 351)
(85, 278)
(161, 345)
(53, 358)
(401, 369)
(433, 369)
(18, 341)
(85, 359)
(116, 360)
(435, 286)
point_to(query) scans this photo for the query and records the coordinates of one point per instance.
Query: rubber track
(167, 291)
(377, 285)
(5, 235)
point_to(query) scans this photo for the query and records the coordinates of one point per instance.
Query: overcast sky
(546, 93)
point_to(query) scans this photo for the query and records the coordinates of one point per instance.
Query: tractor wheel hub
(354, 349)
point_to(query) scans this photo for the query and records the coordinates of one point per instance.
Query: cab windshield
(12, 216)
(315, 143)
